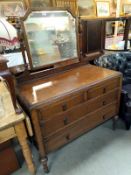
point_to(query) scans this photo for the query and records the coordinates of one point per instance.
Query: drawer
(62, 105)
(68, 117)
(104, 88)
(71, 132)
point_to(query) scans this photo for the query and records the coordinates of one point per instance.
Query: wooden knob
(68, 137)
(104, 117)
(65, 121)
(64, 107)
(104, 90)
(42, 123)
(104, 103)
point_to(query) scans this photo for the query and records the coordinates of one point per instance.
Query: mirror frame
(27, 48)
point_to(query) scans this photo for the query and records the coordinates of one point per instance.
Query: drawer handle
(104, 103)
(64, 107)
(68, 137)
(65, 121)
(104, 90)
(104, 117)
(42, 123)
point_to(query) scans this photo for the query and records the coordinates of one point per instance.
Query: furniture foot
(128, 125)
(115, 118)
(44, 163)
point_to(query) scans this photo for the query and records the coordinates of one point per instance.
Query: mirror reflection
(129, 36)
(115, 35)
(51, 37)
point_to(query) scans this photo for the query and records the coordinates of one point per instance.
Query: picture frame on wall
(86, 8)
(127, 9)
(12, 8)
(41, 3)
(69, 4)
(103, 8)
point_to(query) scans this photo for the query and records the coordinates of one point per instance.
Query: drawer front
(75, 99)
(103, 89)
(66, 118)
(90, 121)
(62, 105)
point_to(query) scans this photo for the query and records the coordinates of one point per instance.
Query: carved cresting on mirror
(51, 37)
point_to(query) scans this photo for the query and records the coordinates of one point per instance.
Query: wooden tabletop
(11, 120)
(43, 90)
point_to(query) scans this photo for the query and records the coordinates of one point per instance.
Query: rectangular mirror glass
(50, 37)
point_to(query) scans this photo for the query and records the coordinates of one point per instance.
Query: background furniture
(121, 61)
(8, 159)
(12, 124)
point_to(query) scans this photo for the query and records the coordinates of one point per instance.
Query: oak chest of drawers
(69, 104)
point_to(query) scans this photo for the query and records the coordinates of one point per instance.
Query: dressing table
(64, 96)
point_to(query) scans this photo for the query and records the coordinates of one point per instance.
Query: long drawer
(66, 118)
(84, 124)
(69, 101)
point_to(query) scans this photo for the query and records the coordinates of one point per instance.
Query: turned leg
(44, 163)
(22, 135)
(115, 118)
(39, 137)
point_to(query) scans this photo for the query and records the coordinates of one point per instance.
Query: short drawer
(104, 88)
(88, 122)
(62, 105)
(66, 118)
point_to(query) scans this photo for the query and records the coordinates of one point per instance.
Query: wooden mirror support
(5, 73)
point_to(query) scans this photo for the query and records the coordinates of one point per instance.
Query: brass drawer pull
(104, 90)
(68, 137)
(65, 121)
(104, 103)
(64, 107)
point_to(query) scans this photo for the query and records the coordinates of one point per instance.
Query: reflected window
(115, 35)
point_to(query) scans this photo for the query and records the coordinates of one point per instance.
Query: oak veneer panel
(64, 84)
